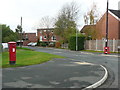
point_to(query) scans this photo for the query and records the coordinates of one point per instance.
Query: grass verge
(98, 51)
(27, 57)
(23, 48)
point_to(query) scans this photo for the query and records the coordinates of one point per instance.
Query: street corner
(103, 76)
(98, 74)
(57, 74)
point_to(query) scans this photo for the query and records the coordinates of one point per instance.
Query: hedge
(72, 42)
(43, 44)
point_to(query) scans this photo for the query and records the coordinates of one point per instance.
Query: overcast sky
(33, 10)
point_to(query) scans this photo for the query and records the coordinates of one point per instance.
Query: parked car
(52, 44)
(4, 45)
(118, 48)
(34, 44)
(29, 44)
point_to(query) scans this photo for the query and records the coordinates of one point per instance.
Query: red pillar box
(106, 50)
(12, 52)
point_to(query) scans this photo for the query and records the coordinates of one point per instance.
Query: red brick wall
(113, 30)
(44, 34)
(26, 42)
(31, 38)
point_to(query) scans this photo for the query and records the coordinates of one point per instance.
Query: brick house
(89, 31)
(47, 35)
(29, 37)
(113, 26)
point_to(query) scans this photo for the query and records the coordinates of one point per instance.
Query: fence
(99, 45)
(64, 45)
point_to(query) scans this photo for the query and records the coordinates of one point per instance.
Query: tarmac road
(109, 61)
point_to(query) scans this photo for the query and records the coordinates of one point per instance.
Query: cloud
(33, 10)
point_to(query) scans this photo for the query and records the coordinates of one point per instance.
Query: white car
(34, 44)
(5, 45)
(118, 47)
(29, 44)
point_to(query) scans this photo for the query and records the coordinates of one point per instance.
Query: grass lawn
(27, 57)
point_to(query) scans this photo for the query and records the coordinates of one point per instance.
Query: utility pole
(106, 44)
(106, 48)
(21, 34)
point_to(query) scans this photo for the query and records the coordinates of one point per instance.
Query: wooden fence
(99, 45)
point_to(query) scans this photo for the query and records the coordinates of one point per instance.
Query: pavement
(71, 72)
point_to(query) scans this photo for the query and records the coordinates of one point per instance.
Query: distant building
(113, 26)
(89, 31)
(47, 35)
(27, 38)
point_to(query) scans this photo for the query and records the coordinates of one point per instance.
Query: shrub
(57, 45)
(72, 42)
(44, 44)
(38, 42)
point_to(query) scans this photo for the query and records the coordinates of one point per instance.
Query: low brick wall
(25, 43)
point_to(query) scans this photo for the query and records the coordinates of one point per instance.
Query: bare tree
(91, 19)
(48, 23)
(92, 15)
(70, 11)
(86, 19)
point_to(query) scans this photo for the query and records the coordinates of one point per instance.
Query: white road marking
(84, 63)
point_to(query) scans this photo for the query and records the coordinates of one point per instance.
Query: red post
(12, 52)
(106, 50)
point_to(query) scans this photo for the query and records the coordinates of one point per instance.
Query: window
(45, 37)
(40, 38)
(40, 31)
(53, 38)
(26, 37)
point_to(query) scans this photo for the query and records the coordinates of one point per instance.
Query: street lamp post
(21, 34)
(76, 41)
(76, 37)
